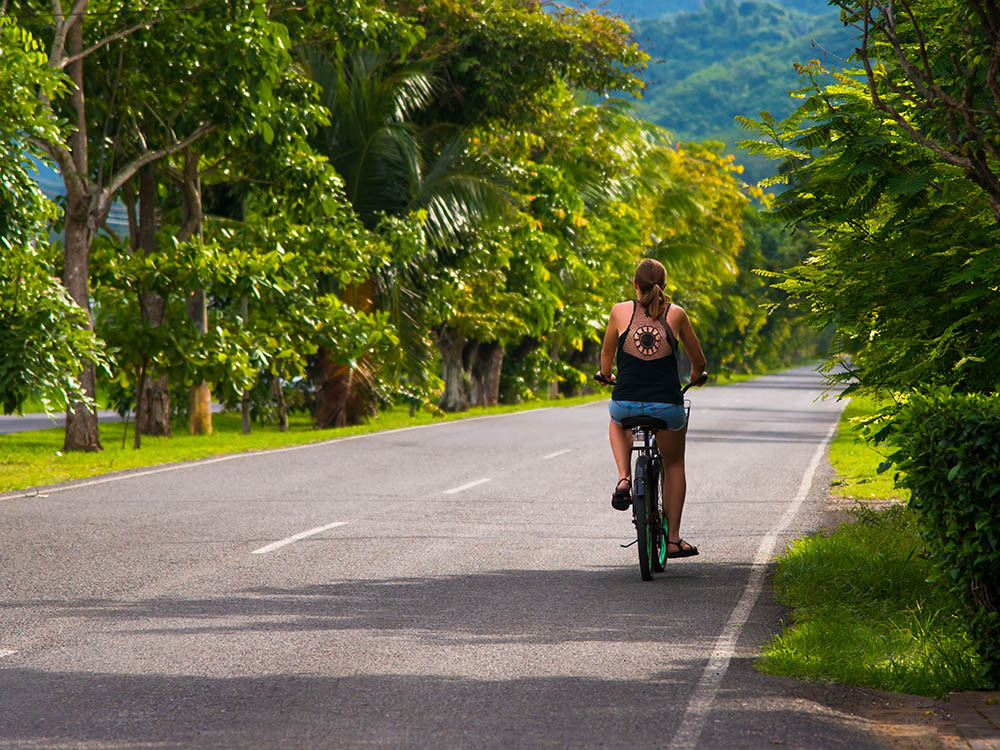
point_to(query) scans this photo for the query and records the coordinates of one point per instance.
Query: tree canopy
(351, 206)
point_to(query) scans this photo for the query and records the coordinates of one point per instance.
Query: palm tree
(391, 166)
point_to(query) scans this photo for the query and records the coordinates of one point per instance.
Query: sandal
(622, 497)
(689, 551)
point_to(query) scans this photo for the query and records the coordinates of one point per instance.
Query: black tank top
(647, 360)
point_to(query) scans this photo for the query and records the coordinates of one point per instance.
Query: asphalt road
(38, 421)
(458, 585)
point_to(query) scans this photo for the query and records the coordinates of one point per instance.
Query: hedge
(947, 448)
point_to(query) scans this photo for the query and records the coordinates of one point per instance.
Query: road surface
(455, 585)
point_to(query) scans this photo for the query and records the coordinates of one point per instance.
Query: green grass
(856, 461)
(863, 613)
(30, 459)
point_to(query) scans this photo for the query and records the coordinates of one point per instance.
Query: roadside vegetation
(352, 208)
(863, 612)
(893, 164)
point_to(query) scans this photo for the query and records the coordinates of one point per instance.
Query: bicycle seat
(657, 424)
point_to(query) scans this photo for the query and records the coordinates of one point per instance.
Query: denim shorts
(675, 415)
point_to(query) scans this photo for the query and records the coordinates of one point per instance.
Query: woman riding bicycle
(641, 337)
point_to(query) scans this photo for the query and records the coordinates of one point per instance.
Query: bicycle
(648, 513)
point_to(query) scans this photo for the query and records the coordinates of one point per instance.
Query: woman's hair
(650, 276)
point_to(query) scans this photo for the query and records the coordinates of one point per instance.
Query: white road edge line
(557, 453)
(696, 713)
(295, 537)
(602, 402)
(247, 454)
(478, 482)
(6, 652)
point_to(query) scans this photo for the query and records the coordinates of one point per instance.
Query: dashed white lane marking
(248, 454)
(295, 537)
(701, 701)
(557, 453)
(6, 652)
(478, 482)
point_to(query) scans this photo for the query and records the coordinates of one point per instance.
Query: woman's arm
(682, 324)
(610, 346)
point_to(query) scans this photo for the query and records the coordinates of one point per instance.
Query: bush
(947, 447)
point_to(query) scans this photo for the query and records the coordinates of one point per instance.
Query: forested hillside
(657, 8)
(714, 60)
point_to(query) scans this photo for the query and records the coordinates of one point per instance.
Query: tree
(393, 167)
(249, 53)
(933, 68)
(43, 342)
(906, 267)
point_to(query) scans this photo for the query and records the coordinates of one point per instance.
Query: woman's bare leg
(671, 445)
(621, 447)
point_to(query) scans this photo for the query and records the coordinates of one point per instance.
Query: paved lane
(459, 585)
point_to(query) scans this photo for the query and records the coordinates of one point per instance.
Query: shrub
(947, 447)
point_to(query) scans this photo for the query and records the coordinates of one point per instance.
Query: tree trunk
(474, 375)
(140, 408)
(485, 362)
(245, 401)
(82, 433)
(279, 396)
(200, 414)
(334, 389)
(156, 412)
(156, 415)
(342, 398)
(494, 365)
(451, 343)
(245, 413)
(554, 385)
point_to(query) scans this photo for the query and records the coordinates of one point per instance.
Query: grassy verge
(862, 610)
(30, 459)
(856, 461)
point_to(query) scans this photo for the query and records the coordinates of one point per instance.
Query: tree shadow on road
(276, 642)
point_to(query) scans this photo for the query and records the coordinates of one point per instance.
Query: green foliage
(750, 326)
(43, 336)
(905, 269)
(864, 614)
(368, 185)
(948, 453)
(492, 53)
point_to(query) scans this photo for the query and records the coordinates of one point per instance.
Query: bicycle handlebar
(600, 378)
(700, 381)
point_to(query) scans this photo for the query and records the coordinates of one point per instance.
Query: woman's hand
(600, 377)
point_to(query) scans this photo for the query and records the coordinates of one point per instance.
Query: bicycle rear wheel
(659, 518)
(641, 516)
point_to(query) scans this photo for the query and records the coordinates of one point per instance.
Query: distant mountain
(729, 57)
(657, 8)
(646, 8)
